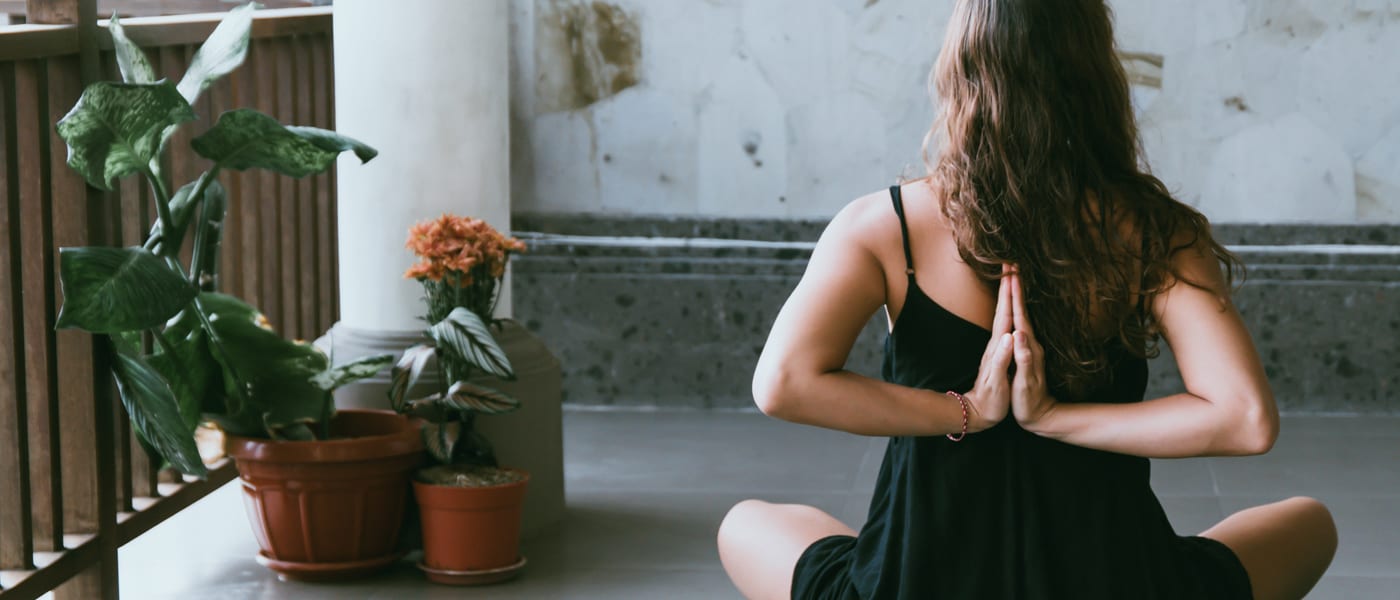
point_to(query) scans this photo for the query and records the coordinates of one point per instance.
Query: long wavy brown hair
(1036, 160)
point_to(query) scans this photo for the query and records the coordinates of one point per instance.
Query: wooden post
(51, 12)
(16, 526)
(85, 399)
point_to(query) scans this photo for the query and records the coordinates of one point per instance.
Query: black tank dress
(1006, 514)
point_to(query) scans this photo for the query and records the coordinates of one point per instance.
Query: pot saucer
(327, 571)
(481, 577)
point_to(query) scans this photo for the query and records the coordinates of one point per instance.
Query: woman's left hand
(1030, 399)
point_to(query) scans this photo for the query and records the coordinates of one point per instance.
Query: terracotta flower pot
(330, 509)
(471, 534)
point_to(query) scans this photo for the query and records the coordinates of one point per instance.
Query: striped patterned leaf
(440, 439)
(406, 373)
(465, 395)
(466, 337)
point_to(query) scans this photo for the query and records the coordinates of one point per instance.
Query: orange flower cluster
(459, 246)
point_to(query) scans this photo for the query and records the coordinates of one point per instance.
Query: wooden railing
(74, 482)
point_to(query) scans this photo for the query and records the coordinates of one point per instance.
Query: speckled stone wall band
(680, 322)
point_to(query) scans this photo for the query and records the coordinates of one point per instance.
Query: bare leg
(1285, 546)
(759, 544)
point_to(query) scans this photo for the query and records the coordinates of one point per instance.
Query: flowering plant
(461, 263)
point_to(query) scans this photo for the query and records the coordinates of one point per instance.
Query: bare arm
(800, 376)
(1228, 408)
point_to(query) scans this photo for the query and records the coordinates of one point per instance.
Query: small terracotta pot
(332, 509)
(470, 529)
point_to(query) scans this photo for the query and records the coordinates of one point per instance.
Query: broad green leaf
(221, 53)
(365, 367)
(246, 139)
(132, 61)
(115, 129)
(440, 439)
(406, 373)
(465, 395)
(106, 290)
(465, 336)
(331, 141)
(153, 410)
(276, 373)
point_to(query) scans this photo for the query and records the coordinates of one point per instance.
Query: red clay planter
(471, 535)
(329, 510)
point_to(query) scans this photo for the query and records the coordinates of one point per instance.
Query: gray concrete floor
(646, 491)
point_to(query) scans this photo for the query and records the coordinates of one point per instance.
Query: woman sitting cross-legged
(1026, 281)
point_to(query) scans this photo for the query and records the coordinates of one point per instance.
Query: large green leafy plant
(212, 356)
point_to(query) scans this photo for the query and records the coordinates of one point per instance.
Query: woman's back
(1005, 513)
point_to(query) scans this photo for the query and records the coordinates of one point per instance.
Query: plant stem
(163, 342)
(162, 200)
(197, 261)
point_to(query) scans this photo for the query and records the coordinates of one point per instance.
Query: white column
(428, 84)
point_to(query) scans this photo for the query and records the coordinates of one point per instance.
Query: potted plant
(185, 355)
(471, 507)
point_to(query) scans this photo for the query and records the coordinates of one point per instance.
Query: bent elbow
(769, 392)
(1258, 430)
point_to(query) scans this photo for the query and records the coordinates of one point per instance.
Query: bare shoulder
(865, 218)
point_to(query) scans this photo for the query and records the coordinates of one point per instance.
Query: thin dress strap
(898, 199)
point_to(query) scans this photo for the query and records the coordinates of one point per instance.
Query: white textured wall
(1267, 110)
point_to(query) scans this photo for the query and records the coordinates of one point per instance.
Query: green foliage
(467, 396)
(406, 373)
(464, 337)
(132, 62)
(440, 439)
(110, 290)
(463, 344)
(153, 409)
(247, 139)
(116, 129)
(215, 357)
(335, 377)
(221, 53)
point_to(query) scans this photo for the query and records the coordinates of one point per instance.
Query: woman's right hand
(989, 400)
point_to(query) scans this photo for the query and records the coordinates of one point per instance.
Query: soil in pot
(470, 528)
(330, 509)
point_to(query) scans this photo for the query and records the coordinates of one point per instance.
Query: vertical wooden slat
(86, 395)
(244, 195)
(319, 46)
(268, 197)
(78, 389)
(36, 300)
(289, 324)
(305, 197)
(16, 531)
(69, 208)
(331, 181)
